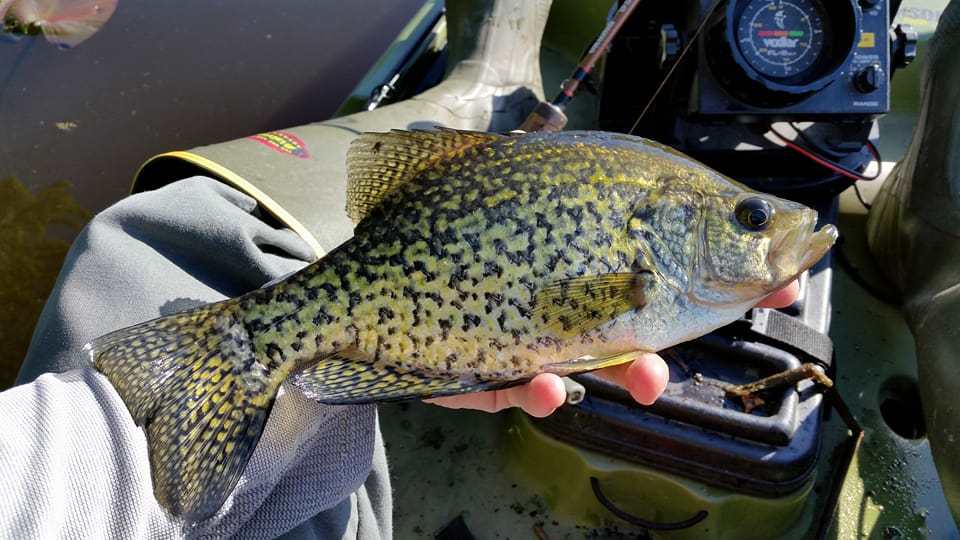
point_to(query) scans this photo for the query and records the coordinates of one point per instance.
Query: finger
(645, 378)
(539, 397)
(782, 298)
(480, 401)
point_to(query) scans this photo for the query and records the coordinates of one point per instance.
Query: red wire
(833, 167)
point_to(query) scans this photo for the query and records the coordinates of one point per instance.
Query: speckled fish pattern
(478, 261)
(445, 276)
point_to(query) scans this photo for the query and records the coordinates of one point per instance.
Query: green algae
(34, 232)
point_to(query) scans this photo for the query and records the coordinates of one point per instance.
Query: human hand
(645, 379)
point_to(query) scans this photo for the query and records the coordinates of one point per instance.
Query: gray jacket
(75, 465)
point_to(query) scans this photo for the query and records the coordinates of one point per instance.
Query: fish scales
(471, 221)
(478, 261)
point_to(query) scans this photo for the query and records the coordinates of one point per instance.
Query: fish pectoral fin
(377, 163)
(352, 377)
(580, 365)
(571, 307)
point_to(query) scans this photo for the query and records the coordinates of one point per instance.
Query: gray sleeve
(72, 455)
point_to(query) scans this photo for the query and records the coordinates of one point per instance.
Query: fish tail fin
(193, 382)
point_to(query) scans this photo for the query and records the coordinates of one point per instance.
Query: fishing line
(683, 53)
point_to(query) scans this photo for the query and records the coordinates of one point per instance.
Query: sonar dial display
(781, 38)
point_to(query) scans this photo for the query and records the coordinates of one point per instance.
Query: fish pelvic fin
(378, 163)
(350, 377)
(581, 365)
(192, 381)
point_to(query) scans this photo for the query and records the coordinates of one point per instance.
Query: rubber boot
(492, 84)
(298, 174)
(913, 230)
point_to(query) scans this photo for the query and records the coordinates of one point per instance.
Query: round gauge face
(781, 38)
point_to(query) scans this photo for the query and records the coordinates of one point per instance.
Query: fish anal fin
(575, 306)
(581, 365)
(378, 163)
(351, 377)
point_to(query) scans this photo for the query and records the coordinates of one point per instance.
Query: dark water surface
(159, 76)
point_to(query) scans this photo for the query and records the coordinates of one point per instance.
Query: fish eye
(754, 213)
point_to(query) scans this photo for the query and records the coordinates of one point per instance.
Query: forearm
(78, 464)
(72, 460)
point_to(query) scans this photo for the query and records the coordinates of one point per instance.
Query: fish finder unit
(748, 65)
(797, 57)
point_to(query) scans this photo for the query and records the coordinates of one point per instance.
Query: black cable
(807, 140)
(830, 164)
(856, 189)
(638, 521)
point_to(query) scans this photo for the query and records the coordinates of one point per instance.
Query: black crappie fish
(479, 261)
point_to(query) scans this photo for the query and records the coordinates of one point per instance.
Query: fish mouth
(807, 246)
(818, 245)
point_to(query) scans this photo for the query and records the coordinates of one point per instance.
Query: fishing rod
(550, 116)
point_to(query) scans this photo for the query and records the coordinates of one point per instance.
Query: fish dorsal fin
(377, 163)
